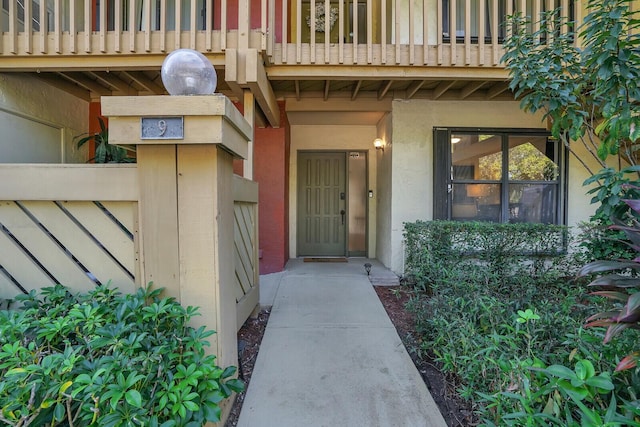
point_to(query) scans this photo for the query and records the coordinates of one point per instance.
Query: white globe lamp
(188, 72)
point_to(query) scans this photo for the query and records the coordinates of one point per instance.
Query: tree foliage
(587, 86)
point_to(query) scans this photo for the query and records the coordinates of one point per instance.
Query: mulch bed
(455, 411)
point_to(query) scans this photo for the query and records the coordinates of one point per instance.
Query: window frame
(443, 169)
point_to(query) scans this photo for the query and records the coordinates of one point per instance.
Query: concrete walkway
(331, 357)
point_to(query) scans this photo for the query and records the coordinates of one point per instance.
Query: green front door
(322, 204)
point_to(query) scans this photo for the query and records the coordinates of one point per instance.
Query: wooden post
(186, 200)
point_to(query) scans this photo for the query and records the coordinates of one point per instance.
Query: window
(498, 176)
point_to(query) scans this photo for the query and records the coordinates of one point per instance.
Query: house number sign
(162, 128)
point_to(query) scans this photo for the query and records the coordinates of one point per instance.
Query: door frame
(346, 153)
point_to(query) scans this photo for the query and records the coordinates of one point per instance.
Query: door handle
(342, 212)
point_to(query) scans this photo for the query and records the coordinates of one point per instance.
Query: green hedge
(498, 307)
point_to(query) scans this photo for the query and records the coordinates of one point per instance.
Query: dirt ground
(454, 410)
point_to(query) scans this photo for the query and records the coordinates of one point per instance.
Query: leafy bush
(620, 284)
(504, 319)
(102, 358)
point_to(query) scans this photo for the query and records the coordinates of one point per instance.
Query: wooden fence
(78, 225)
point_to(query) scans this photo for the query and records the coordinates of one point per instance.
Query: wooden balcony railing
(377, 32)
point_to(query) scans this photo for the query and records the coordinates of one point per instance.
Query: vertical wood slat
(453, 31)
(285, 29)
(148, 26)
(208, 42)
(327, 29)
(223, 25)
(412, 35)
(312, 31)
(298, 31)
(264, 30)
(495, 27)
(117, 26)
(551, 33)
(57, 22)
(28, 27)
(425, 33)
(467, 32)
(535, 17)
(439, 31)
(370, 32)
(341, 31)
(73, 33)
(163, 25)
(383, 31)
(13, 27)
(132, 26)
(509, 28)
(103, 26)
(2, 31)
(87, 26)
(397, 29)
(565, 15)
(193, 28)
(44, 27)
(354, 23)
(481, 28)
(177, 36)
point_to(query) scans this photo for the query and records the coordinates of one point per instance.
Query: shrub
(103, 358)
(497, 306)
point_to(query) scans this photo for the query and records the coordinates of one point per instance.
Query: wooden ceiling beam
(471, 88)
(115, 82)
(145, 82)
(89, 84)
(497, 89)
(442, 88)
(414, 87)
(384, 88)
(356, 89)
(65, 85)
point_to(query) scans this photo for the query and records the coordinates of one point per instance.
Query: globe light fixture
(188, 72)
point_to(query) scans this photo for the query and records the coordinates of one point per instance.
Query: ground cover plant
(507, 323)
(108, 359)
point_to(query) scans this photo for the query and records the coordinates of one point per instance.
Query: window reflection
(486, 186)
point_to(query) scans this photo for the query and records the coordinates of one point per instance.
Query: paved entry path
(331, 357)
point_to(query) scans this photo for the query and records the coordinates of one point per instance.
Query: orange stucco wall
(270, 170)
(271, 160)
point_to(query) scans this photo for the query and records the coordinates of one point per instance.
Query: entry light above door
(379, 144)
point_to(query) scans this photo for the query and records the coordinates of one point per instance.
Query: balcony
(107, 47)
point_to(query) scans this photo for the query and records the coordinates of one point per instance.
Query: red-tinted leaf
(600, 266)
(600, 323)
(604, 315)
(631, 361)
(633, 204)
(614, 330)
(620, 296)
(615, 281)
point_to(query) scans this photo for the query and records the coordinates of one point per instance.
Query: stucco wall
(384, 196)
(270, 170)
(30, 100)
(412, 160)
(339, 138)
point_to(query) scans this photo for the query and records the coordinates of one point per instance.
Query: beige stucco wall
(29, 99)
(384, 195)
(338, 138)
(412, 163)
